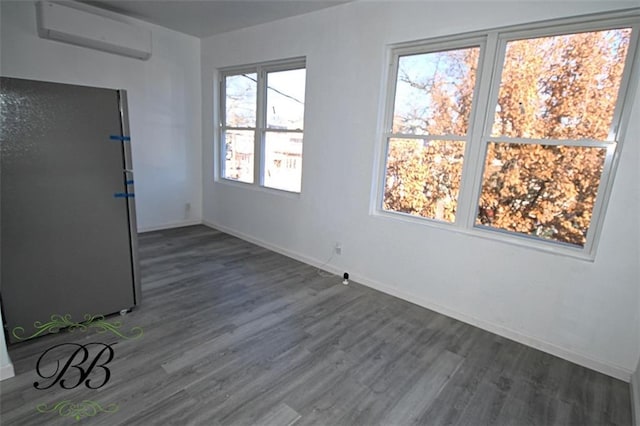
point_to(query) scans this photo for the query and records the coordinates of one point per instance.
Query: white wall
(584, 311)
(164, 105)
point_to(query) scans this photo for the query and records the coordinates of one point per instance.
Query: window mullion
(222, 105)
(261, 108)
(494, 66)
(474, 153)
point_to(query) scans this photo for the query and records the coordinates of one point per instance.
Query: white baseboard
(615, 371)
(6, 371)
(170, 225)
(635, 397)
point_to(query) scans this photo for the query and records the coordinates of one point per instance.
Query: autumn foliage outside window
(549, 131)
(433, 98)
(552, 88)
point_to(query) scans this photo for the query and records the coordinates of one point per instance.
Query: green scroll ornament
(79, 410)
(58, 322)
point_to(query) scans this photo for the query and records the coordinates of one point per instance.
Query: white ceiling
(203, 18)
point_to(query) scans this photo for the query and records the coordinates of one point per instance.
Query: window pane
(240, 101)
(562, 87)
(434, 92)
(285, 99)
(539, 190)
(239, 146)
(423, 177)
(283, 160)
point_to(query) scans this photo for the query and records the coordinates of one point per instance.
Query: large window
(261, 124)
(510, 134)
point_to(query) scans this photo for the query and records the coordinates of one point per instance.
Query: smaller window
(261, 127)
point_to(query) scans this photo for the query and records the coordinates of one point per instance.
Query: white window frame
(488, 77)
(260, 130)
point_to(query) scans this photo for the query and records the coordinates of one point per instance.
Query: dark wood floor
(237, 335)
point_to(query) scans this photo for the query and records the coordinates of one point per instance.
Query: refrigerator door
(131, 203)
(66, 236)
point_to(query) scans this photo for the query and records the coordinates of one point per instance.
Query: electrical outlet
(338, 248)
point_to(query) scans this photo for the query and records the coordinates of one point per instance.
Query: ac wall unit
(82, 28)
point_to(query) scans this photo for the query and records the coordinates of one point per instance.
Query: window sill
(505, 237)
(257, 188)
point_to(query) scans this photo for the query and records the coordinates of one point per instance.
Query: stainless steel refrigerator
(68, 222)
